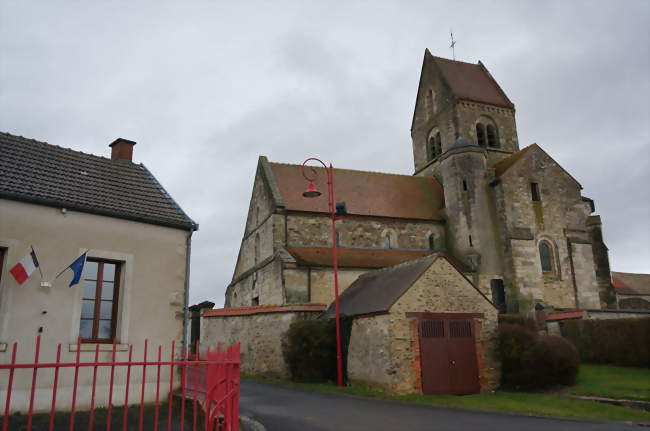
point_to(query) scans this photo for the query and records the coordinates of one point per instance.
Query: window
(498, 294)
(464, 185)
(432, 242)
(480, 134)
(545, 256)
(471, 244)
(438, 142)
(101, 286)
(390, 239)
(492, 140)
(257, 248)
(534, 192)
(255, 300)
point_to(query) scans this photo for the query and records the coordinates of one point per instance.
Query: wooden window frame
(98, 300)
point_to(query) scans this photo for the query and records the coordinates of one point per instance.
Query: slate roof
(472, 82)
(365, 193)
(354, 257)
(37, 172)
(626, 283)
(377, 291)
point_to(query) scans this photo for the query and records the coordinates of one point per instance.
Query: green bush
(310, 349)
(531, 361)
(624, 342)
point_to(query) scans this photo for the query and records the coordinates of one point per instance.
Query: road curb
(249, 424)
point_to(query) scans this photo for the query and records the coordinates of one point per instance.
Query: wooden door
(448, 356)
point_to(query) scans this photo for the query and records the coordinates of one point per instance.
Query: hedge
(530, 361)
(624, 342)
(310, 349)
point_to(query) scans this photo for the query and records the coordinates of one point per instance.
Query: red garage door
(448, 356)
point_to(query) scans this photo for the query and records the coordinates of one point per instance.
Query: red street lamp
(312, 192)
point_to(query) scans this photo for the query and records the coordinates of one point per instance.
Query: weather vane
(453, 45)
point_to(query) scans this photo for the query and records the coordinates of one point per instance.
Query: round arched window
(546, 256)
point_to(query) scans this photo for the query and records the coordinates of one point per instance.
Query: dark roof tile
(37, 172)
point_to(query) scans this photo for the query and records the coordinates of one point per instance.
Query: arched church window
(492, 140)
(432, 147)
(438, 142)
(546, 256)
(432, 242)
(480, 134)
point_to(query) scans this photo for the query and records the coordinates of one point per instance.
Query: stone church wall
(470, 113)
(559, 218)
(264, 284)
(315, 230)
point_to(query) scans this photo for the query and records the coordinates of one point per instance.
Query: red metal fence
(207, 383)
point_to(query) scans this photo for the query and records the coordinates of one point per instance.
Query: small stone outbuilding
(421, 327)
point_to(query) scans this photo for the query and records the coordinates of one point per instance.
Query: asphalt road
(280, 408)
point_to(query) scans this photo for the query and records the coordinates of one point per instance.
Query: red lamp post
(312, 192)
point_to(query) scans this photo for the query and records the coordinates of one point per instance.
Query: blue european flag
(77, 267)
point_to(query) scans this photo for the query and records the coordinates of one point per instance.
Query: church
(504, 228)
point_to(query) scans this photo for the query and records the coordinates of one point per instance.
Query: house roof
(37, 172)
(354, 257)
(377, 291)
(472, 82)
(365, 193)
(626, 283)
(261, 309)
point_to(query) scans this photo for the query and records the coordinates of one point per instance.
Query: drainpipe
(186, 293)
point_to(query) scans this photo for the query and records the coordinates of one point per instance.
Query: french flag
(23, 269)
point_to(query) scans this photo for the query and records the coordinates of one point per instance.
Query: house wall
(560, 218)
(440, 289)
(261, 337)
(150, 300)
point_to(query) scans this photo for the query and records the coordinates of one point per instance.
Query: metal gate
(448, 356)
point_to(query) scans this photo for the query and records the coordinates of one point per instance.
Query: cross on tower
(453, 45)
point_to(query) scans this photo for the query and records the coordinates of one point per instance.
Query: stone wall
(260, 335)
(471, 113)
(369, 356)
(316, 230)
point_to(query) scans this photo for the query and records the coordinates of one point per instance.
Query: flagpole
(68, 267)
(39, 263)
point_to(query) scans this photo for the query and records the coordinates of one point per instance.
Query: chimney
(122, 149)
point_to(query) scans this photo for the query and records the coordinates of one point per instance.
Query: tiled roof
(260, 309)
(365, 193)
(626, 283)
(564, 315)
(38, 172)
(354, 257)
(472, 82)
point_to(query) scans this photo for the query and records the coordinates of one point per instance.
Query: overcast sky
(206, 87)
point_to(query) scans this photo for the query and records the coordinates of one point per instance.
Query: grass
(613, 382)
(511, 402)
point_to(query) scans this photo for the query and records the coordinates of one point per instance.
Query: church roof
(41, 173)
(626, 283)
(365, 193)
(472, 82)
(354, 257)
